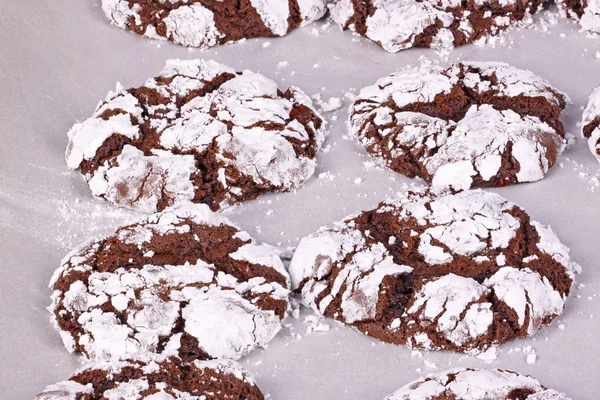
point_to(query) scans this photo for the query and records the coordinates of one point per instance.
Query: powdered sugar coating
(462, 126)
(400, 24)
(480, 139)
(586, 12)
(591, 123)
(199, 132)
(476, 384)
(159, 379)
(436, 271)
(161, 286)
(203, 24)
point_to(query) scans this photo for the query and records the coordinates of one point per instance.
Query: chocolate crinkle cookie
(207, 23)
(455, 272)
(473, 124)
(400, 24)
(183, 282)
(476, 384)
(587, 12)
(198, 132)
(591, 123)
(161, 379)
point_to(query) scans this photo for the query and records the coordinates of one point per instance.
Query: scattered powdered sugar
(590, 176)
(546, 20)
(331, 104)
(490, 355)
(315, 324)
(531, 358)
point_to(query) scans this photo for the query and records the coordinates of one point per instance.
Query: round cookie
(473, 124)
(198, 132)
(400, 24)
(162, 379)
(207, 23)
(455, 272)
(587, 12)
(183, 282)
(476, 384)
(591, 123)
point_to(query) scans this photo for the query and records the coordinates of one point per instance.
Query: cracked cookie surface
(455, 272)
(198, 132)
(586, 12)
(400, 24)
(161, 379)
(473, 124)
(591, 123)
(207, 23)
(476, 384)
(183, 282)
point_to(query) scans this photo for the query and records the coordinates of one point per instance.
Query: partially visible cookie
(400, 24)
(207, 23)
(476, 384)
(587, 12)
(183, 282)
(591, 123)
(455, 272)
(199, 132)
(473, 124)
(162, 379)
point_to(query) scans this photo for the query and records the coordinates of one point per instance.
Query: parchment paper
(59, 58)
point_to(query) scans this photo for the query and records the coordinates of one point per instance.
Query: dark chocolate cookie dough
(476, 384)
(457, 272)
(161, 379)
(184, 282)
(206, 23)
(473, 124)
(400, 24)
(199, 132)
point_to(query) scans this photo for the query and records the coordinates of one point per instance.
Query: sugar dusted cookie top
(472, 124)
(400, 24)
(199, 132)
(476, 384)
(591, 123)
(161, 379)
(183, 282)
(586, 12)
(456, 272)
(207, 23)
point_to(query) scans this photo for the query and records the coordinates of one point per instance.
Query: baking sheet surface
(59, 58)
